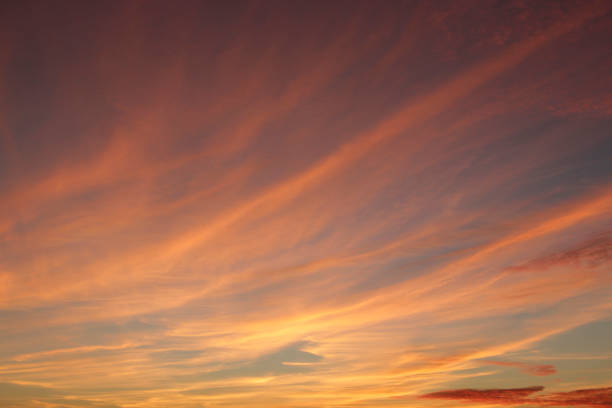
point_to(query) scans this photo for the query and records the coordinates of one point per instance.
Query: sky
(306, 204)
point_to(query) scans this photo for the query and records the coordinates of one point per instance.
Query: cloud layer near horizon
(593, 397)
(304, 204)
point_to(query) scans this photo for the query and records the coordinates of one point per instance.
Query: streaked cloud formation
(533, 369)
(594, 397)
(305, 204)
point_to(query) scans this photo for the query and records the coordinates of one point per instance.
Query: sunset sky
(306, 204)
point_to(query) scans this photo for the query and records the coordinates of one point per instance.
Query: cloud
(495, 396)
(28, 395)
(533, 369)
(589, 255)
(290, 359)
(190, 192)
(594, 397)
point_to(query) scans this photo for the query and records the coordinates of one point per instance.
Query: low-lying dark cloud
(592, 397)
